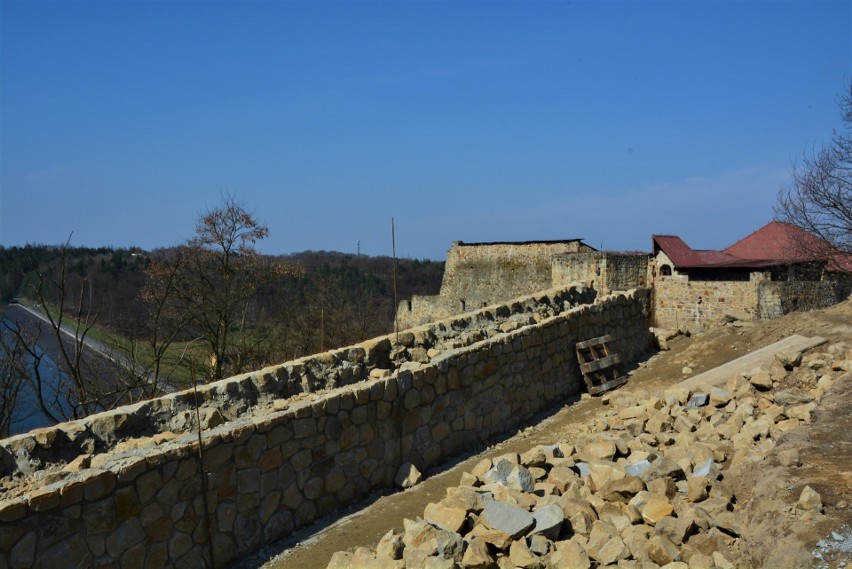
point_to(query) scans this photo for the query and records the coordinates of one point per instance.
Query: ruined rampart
(134, 488)
(477, 275)
(604, 271)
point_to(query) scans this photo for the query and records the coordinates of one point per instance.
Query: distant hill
(337, 299)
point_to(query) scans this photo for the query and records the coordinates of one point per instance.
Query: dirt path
(828, 459)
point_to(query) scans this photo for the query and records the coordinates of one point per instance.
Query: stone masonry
(482, 274)
(141, 487)
(650, 482)
(604, 271)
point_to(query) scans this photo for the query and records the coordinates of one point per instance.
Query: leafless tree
(68, 374)
(150, 367)
(219, 273)
(70, 323)
(12, 373)
(820, 197)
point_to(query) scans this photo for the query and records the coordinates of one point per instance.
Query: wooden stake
(395, 302)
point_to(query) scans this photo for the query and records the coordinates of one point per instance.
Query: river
(26, 413)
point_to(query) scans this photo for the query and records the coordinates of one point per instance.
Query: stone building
(771, 272)
(775, 270)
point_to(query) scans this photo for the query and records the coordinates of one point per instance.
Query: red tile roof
(776, 243)
(675, 248)
(683, 256)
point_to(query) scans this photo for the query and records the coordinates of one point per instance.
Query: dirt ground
(777, 537)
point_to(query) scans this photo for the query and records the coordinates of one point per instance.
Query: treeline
(333, 299)
(340, 299)
(109, 279)
(123, 325)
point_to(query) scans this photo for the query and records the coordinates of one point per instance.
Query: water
(55, 387)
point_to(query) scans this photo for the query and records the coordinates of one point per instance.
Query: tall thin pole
(395, 302)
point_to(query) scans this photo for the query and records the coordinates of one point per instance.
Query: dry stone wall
(178, 498)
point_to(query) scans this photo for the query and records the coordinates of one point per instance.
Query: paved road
(22, 312)
(103, 366)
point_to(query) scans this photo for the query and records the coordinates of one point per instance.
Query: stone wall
(604, 271)
(160, 501)
(254, 392)
(692, 306)
(684, 304)
(482, 274)
(776, 298)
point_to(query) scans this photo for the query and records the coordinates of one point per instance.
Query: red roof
(776, 243)
(683, 256)
(779, 241)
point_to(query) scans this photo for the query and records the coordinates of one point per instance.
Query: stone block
(662, 551)
(570, 555)
(622, 490)
(548, 521)
(789, 359)
(407, 476)
(612, 551)
(507, 518)
(97, 484)
(44, 499)
(521, 556)
(655, 509)
(129, 533)
(809, 500)
(477, 555)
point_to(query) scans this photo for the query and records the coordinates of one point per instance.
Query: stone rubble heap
(648, 485)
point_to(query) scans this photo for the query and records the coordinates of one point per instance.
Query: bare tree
(70, 323)
(220, 275)
(163, 326)
(820, 198)
(69, 375)
(12, 374)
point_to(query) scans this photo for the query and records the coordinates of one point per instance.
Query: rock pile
(648, 485)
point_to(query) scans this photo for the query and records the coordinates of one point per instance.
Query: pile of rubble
(650, 483)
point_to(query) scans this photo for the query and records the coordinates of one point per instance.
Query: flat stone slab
(748, 362)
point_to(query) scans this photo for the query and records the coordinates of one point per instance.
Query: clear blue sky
(475, 121)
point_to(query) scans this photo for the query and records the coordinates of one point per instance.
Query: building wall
(157, 503)
(694, 306)
(776, 298)
(601, 270)
(483, 274)
(688, 304)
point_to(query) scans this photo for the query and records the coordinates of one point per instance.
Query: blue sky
(476, 121)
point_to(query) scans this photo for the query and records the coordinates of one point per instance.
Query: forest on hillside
(169, 317)
(332, 299)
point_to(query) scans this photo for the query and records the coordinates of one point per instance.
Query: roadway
(24, 313)
(102, 365)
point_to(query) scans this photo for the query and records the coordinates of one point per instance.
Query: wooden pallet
(599, 366)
